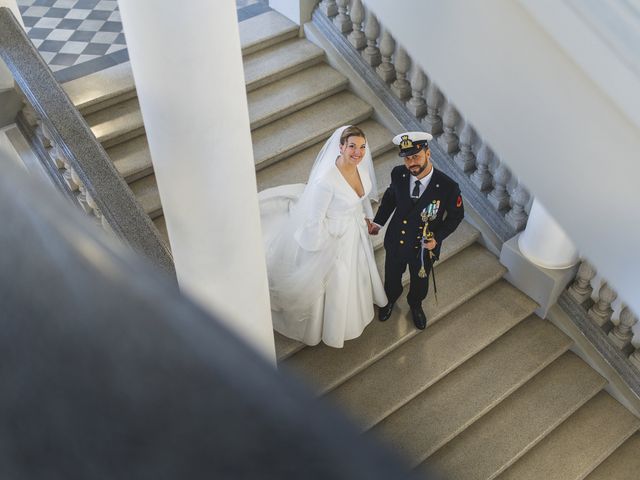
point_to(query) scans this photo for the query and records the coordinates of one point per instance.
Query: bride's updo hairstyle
(351, 131)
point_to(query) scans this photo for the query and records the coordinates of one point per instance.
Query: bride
(323, 278)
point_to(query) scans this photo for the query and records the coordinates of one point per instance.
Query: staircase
(489, 390)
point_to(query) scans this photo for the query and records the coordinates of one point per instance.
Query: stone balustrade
(597, 304)
(410, 84)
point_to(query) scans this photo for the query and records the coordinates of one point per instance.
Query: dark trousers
(394, 267)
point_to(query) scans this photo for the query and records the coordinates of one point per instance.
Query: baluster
(56, 157)
(481, 178)
(622, 333)
(356, 37)
(499, 197)
(68, 176)
(82, 191)
(372, 29)
(581, 288)
(465, 158)
(93, 207)
(30, 114)
(517, 216)
(417, 104)
(432, 122)
(329, 8)
(601, 311)
(342, 20)
(449, 140)
(401, 88)
(387, 46)
(635, 358)
(44, 135)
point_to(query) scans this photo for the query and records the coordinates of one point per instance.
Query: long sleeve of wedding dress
(313, 234)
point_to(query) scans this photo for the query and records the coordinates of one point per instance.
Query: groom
(418, 192)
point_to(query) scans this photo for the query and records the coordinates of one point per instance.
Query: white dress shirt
(424, 182)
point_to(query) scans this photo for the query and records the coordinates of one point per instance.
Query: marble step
(623, 464)
(517, 424)
(117, 123)
(115, 84)
(446, 408)
(279, 61)
(280, 98)
(449, 343)
(146, 192)
(461, 238)
(462, 277)
(265, 30)
(577, 446)
(161, 225)
(101, 89)
(296, 168)
(306, 127)
(132, 158)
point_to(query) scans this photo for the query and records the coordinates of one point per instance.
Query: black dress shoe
(419, 318)
(385, 312)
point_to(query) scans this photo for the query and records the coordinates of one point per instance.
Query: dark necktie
(415, 195)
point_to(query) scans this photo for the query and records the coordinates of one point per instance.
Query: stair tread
(95, 89)
(461, 238)
(278, 61)
(132, 158)
(306, 127)
(623, 464)
(296, 168)
(146, 192)
(507, 432)
(462, 277)
(265, 30)
(450, 342)
(117, 123)
(161, 225)
(255, 33)
(574, 448)
(292, 93)
(419, 428)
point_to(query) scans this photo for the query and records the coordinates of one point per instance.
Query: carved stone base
(543, 285)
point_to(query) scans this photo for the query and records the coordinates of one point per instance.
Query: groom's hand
(372, 227)
(430, 245)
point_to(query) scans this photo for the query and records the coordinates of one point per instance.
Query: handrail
(70, 133)
(476, 197)
(108, 371)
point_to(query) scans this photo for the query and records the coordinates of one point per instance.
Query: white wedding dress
(323, 278)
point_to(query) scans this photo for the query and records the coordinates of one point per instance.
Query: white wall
(540, 111)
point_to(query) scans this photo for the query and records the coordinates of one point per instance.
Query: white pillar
(188, 70)
(544, 242)
(6, 79)
(298, 11)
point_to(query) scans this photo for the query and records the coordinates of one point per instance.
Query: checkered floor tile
(70, 32)
(79, 37)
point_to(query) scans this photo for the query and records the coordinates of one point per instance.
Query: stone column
(9, 101)
(298, 11)
(541, 260)
(544, 242)
(192, 95)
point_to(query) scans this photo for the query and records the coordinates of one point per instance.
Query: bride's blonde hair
(351, 131)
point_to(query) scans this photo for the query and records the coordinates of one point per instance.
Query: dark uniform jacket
(404, 233)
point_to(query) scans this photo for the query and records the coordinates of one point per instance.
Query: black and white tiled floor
(79, 37)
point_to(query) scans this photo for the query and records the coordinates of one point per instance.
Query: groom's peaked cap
(411, 142)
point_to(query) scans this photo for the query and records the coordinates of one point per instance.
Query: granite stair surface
(488, 390)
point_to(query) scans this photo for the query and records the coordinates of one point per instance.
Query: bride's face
(353, 149)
